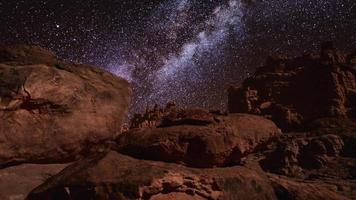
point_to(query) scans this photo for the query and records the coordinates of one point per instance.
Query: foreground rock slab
(223, 143)
(53, 111)
(18, 181)
(115, 176)
(287, 188)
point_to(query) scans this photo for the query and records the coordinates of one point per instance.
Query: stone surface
(53, 111)
(295, 152)
(222, 143)
(171, 115)
(345, 128)
(26, 55)
(115, 176)
(287, 188)
(18, 181)
(187, 117)
(293, 91)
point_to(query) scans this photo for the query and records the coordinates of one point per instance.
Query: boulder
(54, 111)
(222, 143)
(115, 176)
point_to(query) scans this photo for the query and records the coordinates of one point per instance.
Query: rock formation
(170, 115)
(295, 91)
(220, 142)
(52, 110)
(152, 117)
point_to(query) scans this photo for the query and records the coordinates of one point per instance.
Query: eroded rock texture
(324, 156)
(54, 111)
(223, 141)
(17, 182)
(115, 176)
(292, 91)
(287, 188)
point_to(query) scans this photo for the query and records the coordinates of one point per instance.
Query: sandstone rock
(219, 144)
(299, 90)
(115, 176)
(320, 158)
(152, 117)
(18, 181)
(187, 116)
(283, 157)
(344, 128)
(26, 55)
(54, 112)
(294, 153)
(171, 115)
(300, 190)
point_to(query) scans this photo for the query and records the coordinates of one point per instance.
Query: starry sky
(187, 51)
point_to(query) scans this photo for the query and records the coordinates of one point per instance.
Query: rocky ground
(290, 133)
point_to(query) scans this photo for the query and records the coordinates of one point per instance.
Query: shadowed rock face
(115, 176)
(224, 142)
(27, 55)
(287, 188)
(17, 182)
(292, 91)
(53, 111)
(323, 157)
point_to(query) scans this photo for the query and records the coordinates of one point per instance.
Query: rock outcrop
(293, 91)
(54, 111)
(115, 176)
(213, 140)
(324, 156)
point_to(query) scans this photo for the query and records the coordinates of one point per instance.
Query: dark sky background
(185, 51)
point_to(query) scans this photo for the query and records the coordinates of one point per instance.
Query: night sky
(186, 51)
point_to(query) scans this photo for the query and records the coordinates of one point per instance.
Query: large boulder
(293, 91)
(115, 176)
(222, 143)
(53, 111)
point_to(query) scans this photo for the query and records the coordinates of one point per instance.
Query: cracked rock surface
(53, 111)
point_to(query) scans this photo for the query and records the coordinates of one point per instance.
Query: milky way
(186, 51)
